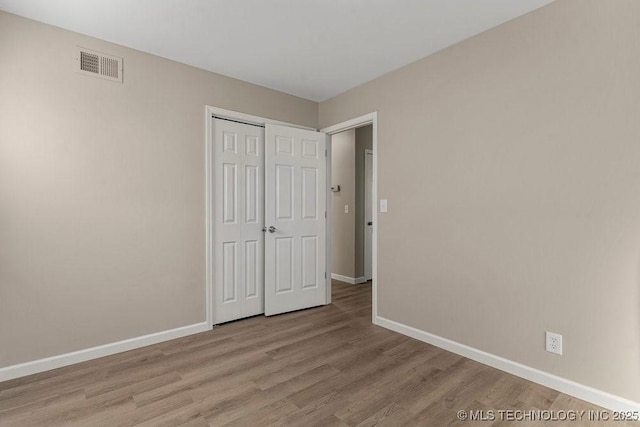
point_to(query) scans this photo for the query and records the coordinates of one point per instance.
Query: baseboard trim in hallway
(347, 279)
(572, 388)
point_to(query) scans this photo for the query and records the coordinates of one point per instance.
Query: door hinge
(325, 153)
(325, 274)
(325, 214)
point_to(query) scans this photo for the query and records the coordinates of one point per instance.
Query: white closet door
(295, 204)
(239, 210)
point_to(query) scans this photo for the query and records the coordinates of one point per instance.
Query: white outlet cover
(383, 205)
(554, 343)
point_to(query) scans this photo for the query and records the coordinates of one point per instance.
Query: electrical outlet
(554, 343)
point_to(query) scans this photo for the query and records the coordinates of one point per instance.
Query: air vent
(97, 64)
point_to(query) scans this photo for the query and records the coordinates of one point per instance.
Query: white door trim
(211, 111)
(371, 118)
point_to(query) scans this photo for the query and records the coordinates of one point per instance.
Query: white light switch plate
(346, 208)
(383, 205)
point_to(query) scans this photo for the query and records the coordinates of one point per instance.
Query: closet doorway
(267, 246)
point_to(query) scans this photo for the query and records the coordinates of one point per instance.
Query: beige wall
(343, 225)
(364, 141)
(511, 163)
(102, 190)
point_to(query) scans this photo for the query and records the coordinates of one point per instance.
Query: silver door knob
(272, 229)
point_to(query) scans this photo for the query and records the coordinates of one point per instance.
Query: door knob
(370, 223)
(272, 229)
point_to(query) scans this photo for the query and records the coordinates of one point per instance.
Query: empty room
(331, 213)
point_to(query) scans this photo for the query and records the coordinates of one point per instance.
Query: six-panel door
(239, 218)
(295, 204)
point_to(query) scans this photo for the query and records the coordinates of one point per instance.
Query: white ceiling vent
(98, 64)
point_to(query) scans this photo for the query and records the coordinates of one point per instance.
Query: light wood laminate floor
(327, 366)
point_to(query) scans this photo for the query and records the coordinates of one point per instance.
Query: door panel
(284, 264)
(284, 192)
(252, 266)
(229, 188)
(309, 261)
(238, 220)
(229, 271)
(309, 193)
(252, 192)
(295, 203)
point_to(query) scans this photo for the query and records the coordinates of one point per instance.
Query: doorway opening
(362, 133)
(351, 216)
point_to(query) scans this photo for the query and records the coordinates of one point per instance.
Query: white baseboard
(595, 396)
(41, 365)
(347, 279)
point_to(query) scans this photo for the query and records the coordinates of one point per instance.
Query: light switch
(346, 208)
(383, 205)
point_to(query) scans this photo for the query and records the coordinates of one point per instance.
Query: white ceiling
(314, 49)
